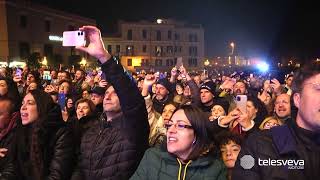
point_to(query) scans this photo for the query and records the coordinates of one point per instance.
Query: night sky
(263, 28)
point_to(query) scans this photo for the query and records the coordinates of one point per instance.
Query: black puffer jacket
(58, 149)
(113, 150)
(7, 169)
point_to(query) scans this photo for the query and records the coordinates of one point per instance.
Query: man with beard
(282, 107)
(163, 95)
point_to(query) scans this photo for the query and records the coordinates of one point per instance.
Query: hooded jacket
(158, 164)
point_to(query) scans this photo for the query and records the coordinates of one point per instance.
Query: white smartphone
(241, 101)
(74, 38)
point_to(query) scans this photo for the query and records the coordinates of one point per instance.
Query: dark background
(263, 28)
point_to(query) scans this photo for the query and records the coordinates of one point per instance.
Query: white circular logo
(247, 162)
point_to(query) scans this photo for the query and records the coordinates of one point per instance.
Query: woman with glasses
(189, 152)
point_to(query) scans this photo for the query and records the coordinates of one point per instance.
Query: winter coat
(158, 164)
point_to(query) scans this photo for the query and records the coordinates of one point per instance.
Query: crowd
(117, 125)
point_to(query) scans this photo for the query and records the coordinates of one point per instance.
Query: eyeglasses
(178, 126)
(315, 85)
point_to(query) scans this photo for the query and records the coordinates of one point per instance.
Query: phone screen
(62, 100)
(179, 62)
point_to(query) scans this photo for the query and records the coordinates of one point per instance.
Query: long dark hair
(13, 92)
(37, 134)
(204, 142)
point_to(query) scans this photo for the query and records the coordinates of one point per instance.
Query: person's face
(282, 106)
(53, 74)
(83, 109)
(308, 104)
(140, 85)
(197, 80)
(111, 101)
(69, 103)
(229, 153)
(78, 75)
(239, 89)
(64, 88)
(153, 88)
(179, 89)
(3, 72)
(63, 76)
(179, 140)
(161, 92)
(96, 98)
(3, 87)
(251, 110)
(205, 96)
(4, 114)
(266, 85)
(30, 79)
(28, 110)
(167, 112)
(270, 124)
(32, 86)
(289, 81)
(94, 72)
(85, 95)
(186, 91)
(217, 111)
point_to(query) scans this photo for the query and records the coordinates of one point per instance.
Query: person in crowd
(97, 95)
(297, 140)
(9, 89)
(8, 123)
(78, 81)
(179, 88)
(45, 146)
(63, 76)
(189, 152)
(282, 107)
(230, 146)
(54, 77)
(86, 94)
(113, 148)
(288, 84)
(219, 108)
(163, 95)
(207, 95)
(65, 87)
(270, 122)
(84, 107)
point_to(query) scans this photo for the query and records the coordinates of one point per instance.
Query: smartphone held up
(74, 38)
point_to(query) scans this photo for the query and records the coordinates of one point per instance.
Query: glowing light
(44, 62)
(206, 62)
(83, 62)
(136, 61)
(159, 21)
(263, 66)
(17, 64)
(55, 38)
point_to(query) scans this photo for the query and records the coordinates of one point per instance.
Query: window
(117, 48)
(192, 62)
(23, 21)
(129, 62)
(144, 48)
(109, 49)
(169, 49)
(180, 49)
(169, 35)
(47, 26)
(158, 50)
(176, 36)
(71, 28)
(144, 34)
(193, 51)
(158, 35)
(175, 49)
(48, 50)
(129, 34)
(24, 50)
(193, 38)
(129, 50)
(169, 62)
(144, 62)
(158, 62)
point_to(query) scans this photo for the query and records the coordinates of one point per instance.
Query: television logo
(247, 162)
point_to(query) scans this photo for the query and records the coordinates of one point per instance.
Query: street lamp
(83, 62)
(206, 64)
(232, 47)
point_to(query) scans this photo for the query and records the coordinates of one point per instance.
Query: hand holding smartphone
(74, 38)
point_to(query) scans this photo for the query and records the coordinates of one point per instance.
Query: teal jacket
(158, 164)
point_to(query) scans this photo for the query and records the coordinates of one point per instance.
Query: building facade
(29, 29)
(157, 45)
